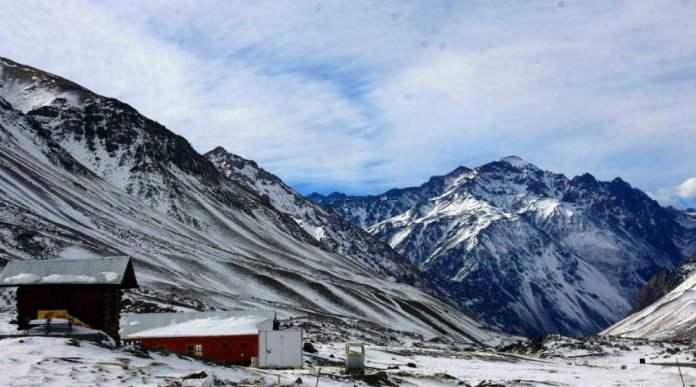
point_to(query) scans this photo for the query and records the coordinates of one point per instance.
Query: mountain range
(517, 248)
(527, 250)
(85, 175)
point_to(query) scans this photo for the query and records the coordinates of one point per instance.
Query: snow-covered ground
(48, 361)
(403, 360)
(564, 362)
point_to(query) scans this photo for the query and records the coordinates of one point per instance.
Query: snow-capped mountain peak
(27, 88)
(516, 161)
(529, 250)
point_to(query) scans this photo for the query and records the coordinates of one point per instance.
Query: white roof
(194, 324)
(94, 271)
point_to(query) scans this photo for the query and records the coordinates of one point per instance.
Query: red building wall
(225, 349)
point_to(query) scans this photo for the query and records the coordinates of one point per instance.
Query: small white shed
(280, 349)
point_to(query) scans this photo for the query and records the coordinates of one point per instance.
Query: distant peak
(586, 179)
(515, 161)
(223, 153)
(218, 151)
(459, 170)
(27, 88)
(620, 181)
(455, 173)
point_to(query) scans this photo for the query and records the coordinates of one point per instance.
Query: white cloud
(275, 117)
(680, 196)
(370, 95)
(687, 189)
(583, 98)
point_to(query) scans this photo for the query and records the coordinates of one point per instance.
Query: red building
(227, 337)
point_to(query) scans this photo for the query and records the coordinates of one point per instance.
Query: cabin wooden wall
(98, 306)
(224, 349)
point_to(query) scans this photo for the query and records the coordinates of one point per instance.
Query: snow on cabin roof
(196, 324)
(94, 271)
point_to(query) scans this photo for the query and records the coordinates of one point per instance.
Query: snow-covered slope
(528, 250)
(332, 231)
(672, 316)
(89, 175)
(662, 283)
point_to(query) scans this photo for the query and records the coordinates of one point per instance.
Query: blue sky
(363, 96)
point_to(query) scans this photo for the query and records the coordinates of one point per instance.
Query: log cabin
(88, 290)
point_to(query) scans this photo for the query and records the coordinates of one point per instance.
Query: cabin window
(194, 349)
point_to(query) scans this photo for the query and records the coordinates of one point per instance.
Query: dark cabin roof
(115, 271)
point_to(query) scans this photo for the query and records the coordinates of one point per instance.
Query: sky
(362, 96)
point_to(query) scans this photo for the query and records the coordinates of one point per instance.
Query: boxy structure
(280, 349)
(87, 289)
(232, 337)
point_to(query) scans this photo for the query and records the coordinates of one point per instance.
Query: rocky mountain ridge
(527, 250)
(330, 230)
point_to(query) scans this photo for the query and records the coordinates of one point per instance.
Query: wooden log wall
(99, 306)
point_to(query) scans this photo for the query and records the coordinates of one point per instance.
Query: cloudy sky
(364, 96)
